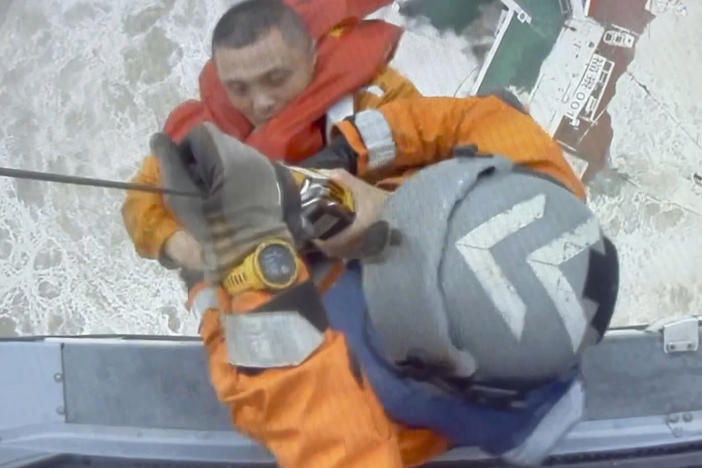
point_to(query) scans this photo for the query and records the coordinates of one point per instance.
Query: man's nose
(263, 103)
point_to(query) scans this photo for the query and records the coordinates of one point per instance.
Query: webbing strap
(283, 332)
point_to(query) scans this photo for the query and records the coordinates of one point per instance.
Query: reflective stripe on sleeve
(269, 339)
(377, 137)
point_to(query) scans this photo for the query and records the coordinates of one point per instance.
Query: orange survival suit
(318, 413)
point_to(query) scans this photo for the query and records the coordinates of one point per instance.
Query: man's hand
(185, 251)
(369, 202)
(240, 204)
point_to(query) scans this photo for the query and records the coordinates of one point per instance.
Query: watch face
(277, 264)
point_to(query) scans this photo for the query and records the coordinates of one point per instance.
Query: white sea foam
(84, 85)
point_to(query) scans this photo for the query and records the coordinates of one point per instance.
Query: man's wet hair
(248, 21)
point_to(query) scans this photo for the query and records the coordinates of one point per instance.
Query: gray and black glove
(245, 198)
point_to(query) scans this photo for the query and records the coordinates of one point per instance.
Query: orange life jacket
(345, 63)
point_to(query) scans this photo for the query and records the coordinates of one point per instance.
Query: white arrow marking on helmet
(546, 262)
(475, 249)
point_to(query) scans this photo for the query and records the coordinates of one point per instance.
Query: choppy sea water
(84, 84)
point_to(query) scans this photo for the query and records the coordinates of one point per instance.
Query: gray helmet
(501, 274)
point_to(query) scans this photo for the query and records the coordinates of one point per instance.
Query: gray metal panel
(138, 443)
(629, 376)
(99, 462)
(29, 393)
(15, 458)
(162, 384)
(674, 460)
(626, 434)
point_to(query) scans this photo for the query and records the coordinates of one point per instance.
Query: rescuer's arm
(413, 133)
(146, 217)
(288, 379)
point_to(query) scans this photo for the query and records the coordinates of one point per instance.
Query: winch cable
(87, 181)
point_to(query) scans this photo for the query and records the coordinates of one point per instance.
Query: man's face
(262, 78)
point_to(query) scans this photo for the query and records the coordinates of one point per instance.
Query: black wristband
(337, 155)
(304, 299)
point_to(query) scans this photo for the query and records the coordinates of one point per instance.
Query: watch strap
(248, 275)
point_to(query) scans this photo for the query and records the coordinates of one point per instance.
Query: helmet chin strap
(86, 181)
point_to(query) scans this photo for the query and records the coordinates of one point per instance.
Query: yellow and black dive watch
(273, 266)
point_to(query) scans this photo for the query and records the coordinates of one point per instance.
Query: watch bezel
(260, 272)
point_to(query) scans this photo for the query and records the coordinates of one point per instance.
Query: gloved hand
(337, 155)
(368, 235)
(244, 195)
